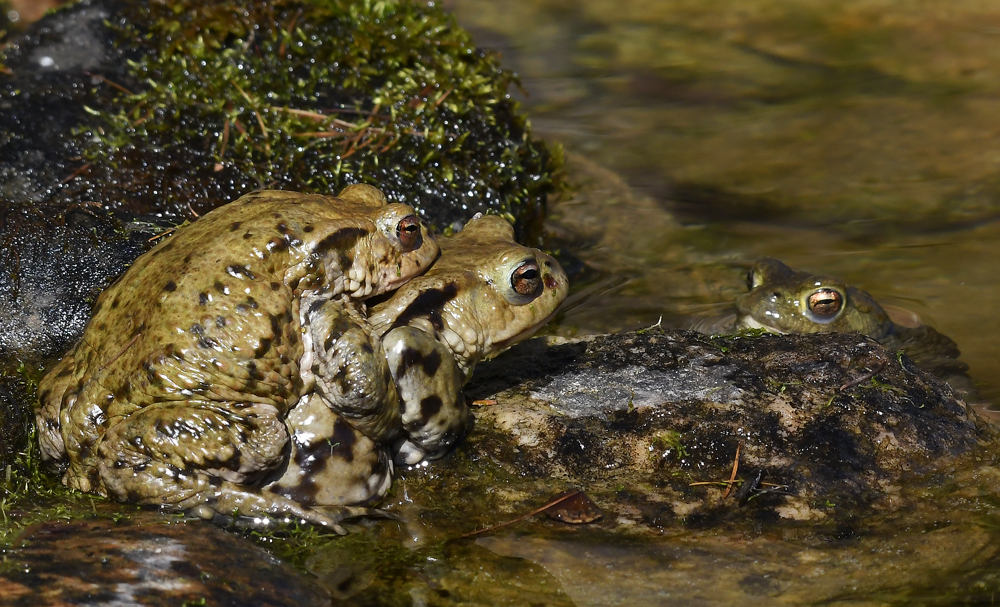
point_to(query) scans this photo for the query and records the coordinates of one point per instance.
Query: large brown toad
(177, 392)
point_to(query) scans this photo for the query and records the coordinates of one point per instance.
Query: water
(856, 139)
(853, 139)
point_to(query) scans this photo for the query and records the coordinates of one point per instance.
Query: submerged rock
(150, 560)
(652, 424)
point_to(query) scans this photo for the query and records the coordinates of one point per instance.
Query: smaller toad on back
(404, 382)
(485, 294)
(176, 393)
(781, 300)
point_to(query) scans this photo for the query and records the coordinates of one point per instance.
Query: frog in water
(177, 392)
(781, 300)
(484, 294)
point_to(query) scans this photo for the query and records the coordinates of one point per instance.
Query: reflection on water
(855, 139)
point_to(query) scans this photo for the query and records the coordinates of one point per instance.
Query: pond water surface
(855, 139)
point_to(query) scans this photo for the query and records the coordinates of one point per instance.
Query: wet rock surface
(147, 559)
(824, 427)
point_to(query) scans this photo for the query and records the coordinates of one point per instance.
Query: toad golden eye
(825, 303)
(527, 279)
(408, 232)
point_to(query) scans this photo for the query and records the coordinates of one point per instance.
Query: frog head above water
(782, 300)
(484, 294)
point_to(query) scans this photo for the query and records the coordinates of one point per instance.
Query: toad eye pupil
(825, 302)
(750, 280)
(408, 232)
(526, 280)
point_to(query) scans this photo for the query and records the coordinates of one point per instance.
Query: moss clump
(230, 95)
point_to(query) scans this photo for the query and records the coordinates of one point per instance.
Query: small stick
(862, 379)
(526, 516)
(75, 173)
(110, 83)
(443, 97)
(736, 466)
(288, 30)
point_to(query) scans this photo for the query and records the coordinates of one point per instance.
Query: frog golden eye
(825, 303)
(527, 279)
(408, 232)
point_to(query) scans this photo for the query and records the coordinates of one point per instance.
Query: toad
(178, 390)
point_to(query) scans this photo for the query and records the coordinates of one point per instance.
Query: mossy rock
(181, 106)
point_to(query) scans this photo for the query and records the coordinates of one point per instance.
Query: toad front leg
(204, 456)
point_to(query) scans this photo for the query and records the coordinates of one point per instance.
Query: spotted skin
(331, 463)
(467, 295)
(177, 391)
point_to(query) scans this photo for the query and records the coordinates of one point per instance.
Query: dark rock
(827, 427)
(148, 559)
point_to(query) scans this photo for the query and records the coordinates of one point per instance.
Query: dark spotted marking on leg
(86, 447)
(235, 226)
(202, 298)
(304, 493)
(316, 305)
(170, 287)
(261, 350)
(429, 407)
(275, 323)
(428, 304)
(308, 228)
(187, 258)
(64, 372)
(430, 363)
(275, 285)
(114, 303)
(252, 371)
(248, 236)
(221, 288)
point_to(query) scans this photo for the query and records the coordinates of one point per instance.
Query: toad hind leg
(203, 455)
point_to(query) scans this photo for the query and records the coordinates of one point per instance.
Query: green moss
(29, 494)
(231, 95)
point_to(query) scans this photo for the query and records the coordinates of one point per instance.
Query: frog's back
(208, 313)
